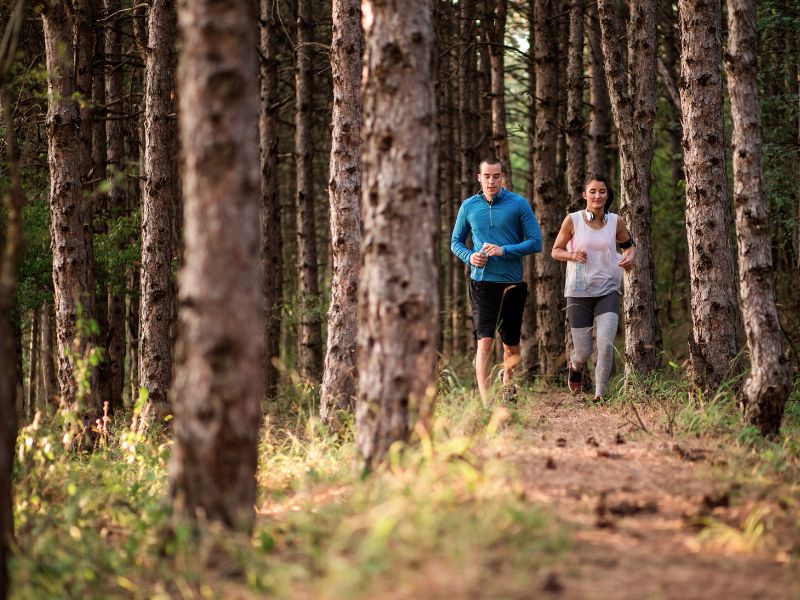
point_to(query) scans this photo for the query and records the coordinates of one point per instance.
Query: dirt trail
(630, 500)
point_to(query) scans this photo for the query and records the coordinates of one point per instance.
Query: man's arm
(533, 235)
(460, 232)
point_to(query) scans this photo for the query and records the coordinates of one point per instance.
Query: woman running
(588, 241)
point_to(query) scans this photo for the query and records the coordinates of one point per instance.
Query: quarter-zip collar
(497, 196)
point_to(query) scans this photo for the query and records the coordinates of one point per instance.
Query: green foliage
(438, 513)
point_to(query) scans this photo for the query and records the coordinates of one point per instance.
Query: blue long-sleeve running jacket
(508, 222)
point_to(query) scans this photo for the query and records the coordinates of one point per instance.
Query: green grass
(97, 525)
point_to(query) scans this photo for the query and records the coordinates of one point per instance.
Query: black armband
(628, 244)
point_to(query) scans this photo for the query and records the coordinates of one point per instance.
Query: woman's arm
(559, 251)
(627, 244)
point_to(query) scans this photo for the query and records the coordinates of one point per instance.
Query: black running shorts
(498, 307)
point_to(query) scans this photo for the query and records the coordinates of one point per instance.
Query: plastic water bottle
(580, 276)
(479, 271)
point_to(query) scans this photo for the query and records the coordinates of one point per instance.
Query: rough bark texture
(217, 388)
(548, 198)
(495, 30)
(70, 227)
(48, 365)
(714, 341)
(271, 234)
(466, 127)
(339, 380)
(574, 124)
(115, 152)
(596, 159)
(632, 89)
(529, 344)
(10, 257)
(768, 384)
(398, 293)
(159, 199)
(309, 334)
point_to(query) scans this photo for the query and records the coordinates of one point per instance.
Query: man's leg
(483, 366)
(511, 358)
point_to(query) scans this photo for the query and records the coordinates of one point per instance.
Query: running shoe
(510, 394)
(575, 379)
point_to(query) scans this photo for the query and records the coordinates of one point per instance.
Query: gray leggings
(602, 313)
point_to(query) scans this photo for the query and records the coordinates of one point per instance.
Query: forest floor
(652, 516)
(649, 496)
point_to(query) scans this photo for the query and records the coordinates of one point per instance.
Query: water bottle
(479, 271)
(580, 276)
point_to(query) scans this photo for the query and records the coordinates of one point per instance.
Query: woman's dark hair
(601, 178)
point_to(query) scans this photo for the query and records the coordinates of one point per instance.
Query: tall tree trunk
(219, 353)
(494, 24)
(398, 300)
(70, 226)
(529, 343)
(339, 380)
(10, 258)
(48, 365)
(548, 197)
(33, 364)
(468, 166)
(574, 125)
(632, 87)
(271, 233)
(714, 341)
(309, 342)
(159, 198)
(597, 161)
(115, 152)
(132, 333)
(767, 386)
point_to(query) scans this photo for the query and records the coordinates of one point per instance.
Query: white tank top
(602, 273)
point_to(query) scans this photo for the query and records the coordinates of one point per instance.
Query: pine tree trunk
(70, 228)
(768, 384)
(33, 364)
(10, 258)
(132, 333)
(48, 365)
(548, 198)
(596, 159)
(217, 389)
(339, 381)
(574, 126)
(632, 87)
(398, 303)
(159, 199)
(495, 30)
(309, 343)
(468, 166)
(271, 233)
(529, 343)
(115, 152)
(714, 341)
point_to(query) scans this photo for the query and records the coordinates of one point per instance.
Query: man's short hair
(491, 161)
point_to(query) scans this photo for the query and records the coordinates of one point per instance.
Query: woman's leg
(605, 321)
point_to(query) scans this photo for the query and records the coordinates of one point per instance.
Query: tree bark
(10, 258)
(767, 386)
(339, 381)
(574, 125)
(271, 233)
(115, 152)
(468, 164)
(33, 364)
(217, 387)
(398, 293)
(529, 344)
(548, 198)
(48, 365)
(494, 24)
(159, 199)
(714, 341)
(632, 88)
(70, 227)
(309, 343)
(597, 161)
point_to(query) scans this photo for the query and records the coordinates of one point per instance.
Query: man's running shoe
(575, 379)
(510, 394)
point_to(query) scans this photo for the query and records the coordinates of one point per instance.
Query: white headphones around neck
(590, 216)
